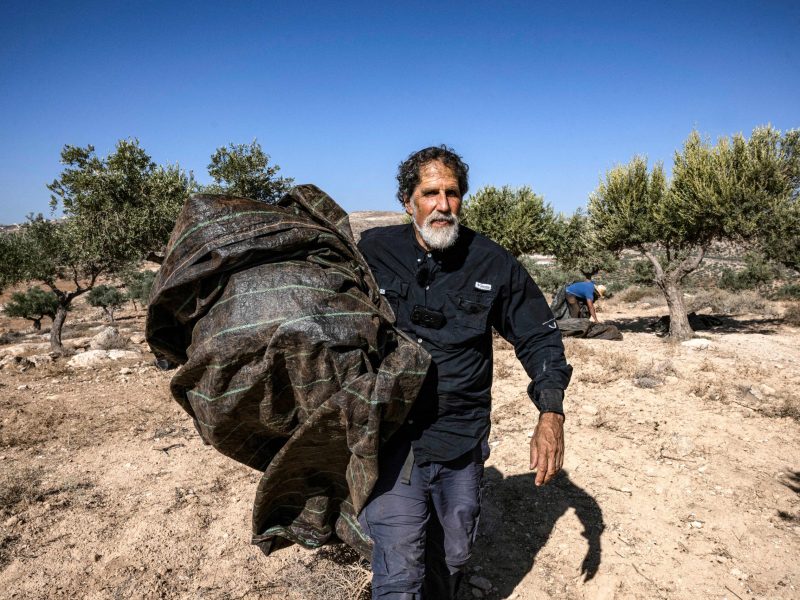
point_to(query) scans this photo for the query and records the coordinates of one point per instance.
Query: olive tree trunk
(55, 330)
(669, 282)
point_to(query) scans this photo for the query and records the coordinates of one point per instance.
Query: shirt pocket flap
(393, 287)
(472, 310)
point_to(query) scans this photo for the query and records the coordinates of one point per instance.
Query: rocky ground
(681, 480)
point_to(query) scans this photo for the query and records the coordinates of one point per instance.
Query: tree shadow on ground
(762, 325)
(517, 519)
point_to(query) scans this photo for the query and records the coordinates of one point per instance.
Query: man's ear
(407, 203)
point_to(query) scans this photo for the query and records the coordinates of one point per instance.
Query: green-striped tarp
(290, 363)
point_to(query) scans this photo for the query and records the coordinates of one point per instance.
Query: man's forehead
(436, 169)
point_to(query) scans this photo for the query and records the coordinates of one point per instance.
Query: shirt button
(419, 260)
(427, 287)
(419, 340)
(429, 254)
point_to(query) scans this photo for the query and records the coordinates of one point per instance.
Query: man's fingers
(551, 465)
(534, 453)
(541, 468)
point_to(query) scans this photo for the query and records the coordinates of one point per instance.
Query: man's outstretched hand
(547, 447)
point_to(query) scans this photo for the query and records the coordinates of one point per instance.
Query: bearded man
(448, 287)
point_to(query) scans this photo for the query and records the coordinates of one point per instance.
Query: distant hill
(367, 219)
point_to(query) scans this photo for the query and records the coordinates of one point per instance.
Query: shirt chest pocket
(395, 291)
(471, 310)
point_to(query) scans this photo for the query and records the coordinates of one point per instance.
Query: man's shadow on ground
(517, 519)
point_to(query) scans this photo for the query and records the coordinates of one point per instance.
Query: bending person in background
(583, 293)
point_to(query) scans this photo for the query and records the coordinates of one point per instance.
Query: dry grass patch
(607, 366)
(19, 488)
(640, 294)
(335, 572)
(725, 302)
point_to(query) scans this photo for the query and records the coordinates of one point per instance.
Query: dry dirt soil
(681, 478)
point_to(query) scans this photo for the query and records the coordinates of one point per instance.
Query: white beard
(438, 238)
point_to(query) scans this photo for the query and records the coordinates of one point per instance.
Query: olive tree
(108, 298)
(722, 191)
(517, 219)
(244, 170)
(116, 211)
(34, 305)
(576, 248)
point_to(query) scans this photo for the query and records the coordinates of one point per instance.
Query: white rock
(138, 338)
(590, 409)
(756, 392)
(125, 371)
(739, 574)
(767, 390)
(78, 343)
(697, 344)
(90, 358)
(107, 339)
(17, 350)
(41, 359)
(123, 354)
(697, 524)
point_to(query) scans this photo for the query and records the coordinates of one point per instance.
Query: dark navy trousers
(423, 530)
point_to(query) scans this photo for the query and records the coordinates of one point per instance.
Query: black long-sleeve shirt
(475, 286)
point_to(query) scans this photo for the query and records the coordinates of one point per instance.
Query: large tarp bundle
(290, 363)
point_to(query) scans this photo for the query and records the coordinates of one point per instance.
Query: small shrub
(636, 294)
(549, 278)
(729, 303)
(756, 274)
(790, 291)
(791, 316)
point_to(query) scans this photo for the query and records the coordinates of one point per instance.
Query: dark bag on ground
(290, 363)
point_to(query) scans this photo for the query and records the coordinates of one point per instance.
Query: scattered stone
(109, 338)
(97, 557)
(39, 360)
(17, 350)
(757, 393)
(123, 354)
(78, 343)
(767, 390)
(138, 338)
(696, 524)
(90, 358)
(590, 409)
(644, 305)
(24, 386)
(680, 446)
(646, 382)
(125, 371)
(11, 521)
(739, 574)
(697, 344)
(481, 583)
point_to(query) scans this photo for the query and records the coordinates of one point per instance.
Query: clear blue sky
(530, 93)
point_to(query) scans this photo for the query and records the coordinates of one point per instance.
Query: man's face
(434, 206)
